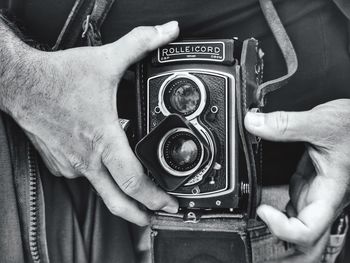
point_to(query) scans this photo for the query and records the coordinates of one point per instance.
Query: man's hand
(67, 106)
(319, 189)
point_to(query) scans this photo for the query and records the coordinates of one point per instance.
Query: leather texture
(93, 22)
(72, 29)
(216, 238)
(218, 95)
(286, 47)
(246, 92)
(84, 20)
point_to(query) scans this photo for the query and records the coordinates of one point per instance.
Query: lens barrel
(182, 94)
(180, 152)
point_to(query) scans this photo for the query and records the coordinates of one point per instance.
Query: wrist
(20, 67)
(19, 78)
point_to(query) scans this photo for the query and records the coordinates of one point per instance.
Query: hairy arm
(20, 69)
(65, 101)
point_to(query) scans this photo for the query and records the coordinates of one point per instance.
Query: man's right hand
(69, 112)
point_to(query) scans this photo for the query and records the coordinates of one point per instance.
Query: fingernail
(169, 27)
(260, 212)
(171, 209)
(254, 119)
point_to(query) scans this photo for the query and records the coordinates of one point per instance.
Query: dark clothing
(52, 219)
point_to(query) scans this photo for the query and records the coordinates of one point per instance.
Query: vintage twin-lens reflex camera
(192, 98)
(191, 103)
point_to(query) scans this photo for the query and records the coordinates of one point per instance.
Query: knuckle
(98, 140)
(79, 165)
(281, 122)
(144, 35)
(276, 232)
(308, 240)
(132, 186)
(108, 156)
(117, 209)
(153, 204)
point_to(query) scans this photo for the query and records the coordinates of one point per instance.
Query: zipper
(33, 204)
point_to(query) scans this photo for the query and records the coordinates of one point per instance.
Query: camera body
(191, 146)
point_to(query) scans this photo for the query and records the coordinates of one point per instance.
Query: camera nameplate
(213, 51)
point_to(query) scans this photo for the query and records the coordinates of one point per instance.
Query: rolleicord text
(192, 50)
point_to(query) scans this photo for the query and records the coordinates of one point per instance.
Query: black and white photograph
(172, 131)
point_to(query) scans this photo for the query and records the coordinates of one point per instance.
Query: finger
(300, 179)
(303, 230)
(129, 175)
(305, 166)
(291, 212)
(310, 255)
(116, 201)
(141, 40)
(281, 125)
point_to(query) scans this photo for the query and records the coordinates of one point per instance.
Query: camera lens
(182, 96)
(180, 152)
(183, 151)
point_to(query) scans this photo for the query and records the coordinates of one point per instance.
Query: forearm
(19, 68)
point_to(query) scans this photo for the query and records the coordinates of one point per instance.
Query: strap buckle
(86, 26)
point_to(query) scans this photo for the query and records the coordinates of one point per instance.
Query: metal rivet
(257, 69)
(261, 53)
(191, 215)
(154, 233)
(214, 109)
(212, 180)
(217, 166)
(218, 202)
(157, 110)
(196, 190)
(191, 204)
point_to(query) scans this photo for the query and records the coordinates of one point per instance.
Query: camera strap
(84, 21)
(286, 47)
(253, 92)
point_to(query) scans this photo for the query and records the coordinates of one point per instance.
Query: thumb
(281, 125)
(141, 40)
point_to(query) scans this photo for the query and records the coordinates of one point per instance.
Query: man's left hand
(319, 189)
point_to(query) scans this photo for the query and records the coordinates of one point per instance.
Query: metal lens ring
(180, 152)
(184, 94)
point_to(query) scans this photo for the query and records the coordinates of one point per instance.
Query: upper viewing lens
(182, 96)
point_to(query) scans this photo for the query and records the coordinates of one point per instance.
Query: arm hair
(19, 67)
